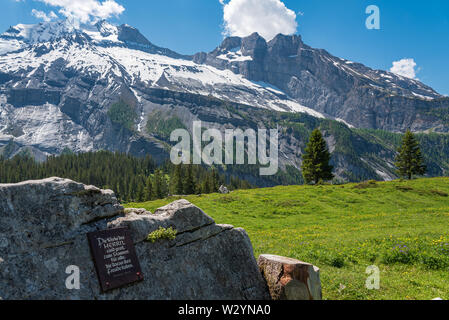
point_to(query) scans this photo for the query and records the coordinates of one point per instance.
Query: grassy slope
(344, 229)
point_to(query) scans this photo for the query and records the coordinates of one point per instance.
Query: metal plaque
(115, 258)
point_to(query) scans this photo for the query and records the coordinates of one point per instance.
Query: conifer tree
(315, 166)
(177, 185)
(157, 181)
(148, 189)
(206, 185)
(409, 160)
(189, 182)
(215, 180)
(164, 186)
(140, 197)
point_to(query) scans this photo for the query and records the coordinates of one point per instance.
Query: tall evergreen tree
(206, 184)
(315, 166)
(409, 160)
(214, 181)
(164, 186)
(157, 185)
(148, 189)
(189, 181)
(177, 186)
(140, 197)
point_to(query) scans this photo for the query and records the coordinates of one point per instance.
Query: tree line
(316, 160)
(140, 179)
(133, 179)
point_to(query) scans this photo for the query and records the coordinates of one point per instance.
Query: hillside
(103, 87)
(400, 226)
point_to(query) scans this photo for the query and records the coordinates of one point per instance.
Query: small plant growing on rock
(162, 234)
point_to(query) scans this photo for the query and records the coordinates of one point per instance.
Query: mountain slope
(362, 97)
(94, 87)
(59, 82)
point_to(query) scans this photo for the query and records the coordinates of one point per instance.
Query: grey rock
(290, 279)
(46, 222)
(36, 214)
(223, 190)
(184, 216)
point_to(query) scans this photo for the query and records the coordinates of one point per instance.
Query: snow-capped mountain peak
(22, 35)
(41, 32)
(58, 81)
(64, 85)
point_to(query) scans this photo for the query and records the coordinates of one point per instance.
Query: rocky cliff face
(346, 90)
(43, 227)
(87, 88)
(59, 81)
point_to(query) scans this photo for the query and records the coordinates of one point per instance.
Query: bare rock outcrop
(43, 227)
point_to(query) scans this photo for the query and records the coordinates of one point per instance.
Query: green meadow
(401, 226)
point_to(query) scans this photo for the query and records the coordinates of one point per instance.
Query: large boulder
(43, 227)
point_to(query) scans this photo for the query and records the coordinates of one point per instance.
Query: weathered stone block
(290, 279)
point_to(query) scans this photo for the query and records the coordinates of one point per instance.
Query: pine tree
(140, 193)
(164, 186)
(315, 166)
(148, 189)
(157, 185)
(215, 181)
(177, 187)
(189, 182)
(409, 160)
(205, 186)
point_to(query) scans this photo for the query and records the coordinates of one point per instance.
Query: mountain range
(100, 86)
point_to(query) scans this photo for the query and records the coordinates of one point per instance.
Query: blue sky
(411, 29)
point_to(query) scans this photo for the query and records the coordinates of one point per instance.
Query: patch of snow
(142, 118)
(384, 75)
(344, 122)
(422, 97)
(9, 45)
(269, 86)
(234, 56)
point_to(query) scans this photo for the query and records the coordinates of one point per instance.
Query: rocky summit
(43, 227)
(335, 87)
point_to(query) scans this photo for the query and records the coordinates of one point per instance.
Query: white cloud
(405, 68)
(86, 10)
(44, 16)
(267, 17)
